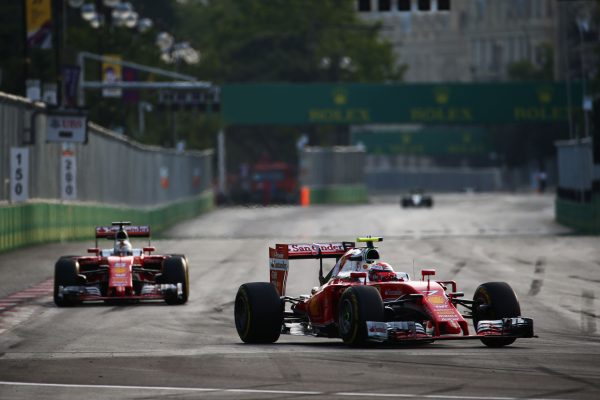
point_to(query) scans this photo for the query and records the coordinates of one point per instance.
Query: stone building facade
(475, 41)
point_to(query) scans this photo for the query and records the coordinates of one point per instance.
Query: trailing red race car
(121, 272)
(364, 300)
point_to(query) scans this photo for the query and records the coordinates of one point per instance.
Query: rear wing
(109, 232)
(280, 255)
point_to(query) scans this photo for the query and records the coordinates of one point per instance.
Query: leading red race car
(363, 299)
(121, 272)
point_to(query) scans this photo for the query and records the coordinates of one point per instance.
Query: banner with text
(455, 103)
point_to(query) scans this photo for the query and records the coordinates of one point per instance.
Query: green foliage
(287, 40)
(284, 41)
(524, 70)
(239, 41)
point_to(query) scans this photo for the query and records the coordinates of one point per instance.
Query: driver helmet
(381, 272)
(123, 248)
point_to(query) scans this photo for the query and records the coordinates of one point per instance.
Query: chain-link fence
(108, 169)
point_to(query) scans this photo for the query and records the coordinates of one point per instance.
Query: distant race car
(121, 272)
(364, 300)
(416, 198)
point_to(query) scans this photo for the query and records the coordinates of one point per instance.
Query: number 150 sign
(19, 174)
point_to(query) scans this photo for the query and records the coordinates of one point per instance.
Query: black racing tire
(258, 313)
(495, 300)
(66, 273)
(429, 202)
(405, 203)
(358, 305)
(175, 270)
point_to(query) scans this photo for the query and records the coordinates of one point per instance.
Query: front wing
(92, 293)
(410, 331)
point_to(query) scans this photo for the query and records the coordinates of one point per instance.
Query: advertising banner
(111, 73)
(39, 23)
(71, 85)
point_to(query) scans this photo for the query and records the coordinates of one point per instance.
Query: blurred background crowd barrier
(334, 174)
(578, 192)
(68, 188)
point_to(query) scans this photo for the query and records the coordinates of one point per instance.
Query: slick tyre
(175, 270)
(358, 305)
(66, 272)
(495, 300)
(258, 313)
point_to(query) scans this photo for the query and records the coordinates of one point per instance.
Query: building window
(384, 5)
(364, 5)
(479, 9)
(549, 9)
(424, 5)
(404, 5)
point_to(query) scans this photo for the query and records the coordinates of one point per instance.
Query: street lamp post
(143, 107)
(175, 53)
(583, 26)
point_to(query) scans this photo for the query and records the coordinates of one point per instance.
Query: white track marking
(266, 391)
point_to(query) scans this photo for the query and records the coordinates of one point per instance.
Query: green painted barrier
(339, 194)
(34, 223)
(583, 217)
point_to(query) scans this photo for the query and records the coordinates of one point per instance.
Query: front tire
(66, 273)
(175, 270)
(358, 305)
(495, 300)
(258, 313)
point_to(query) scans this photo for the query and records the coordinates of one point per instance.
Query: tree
(284, 41)
(525, 70)
(287, 40)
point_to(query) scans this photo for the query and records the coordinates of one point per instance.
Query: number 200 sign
(19, 174)
(68, 175)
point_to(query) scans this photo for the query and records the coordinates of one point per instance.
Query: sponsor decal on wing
(306, 249)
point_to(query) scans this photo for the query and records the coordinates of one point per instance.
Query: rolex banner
(39, 23)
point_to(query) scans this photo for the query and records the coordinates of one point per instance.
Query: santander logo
(331, 247)
(326, 248)
(300, 248)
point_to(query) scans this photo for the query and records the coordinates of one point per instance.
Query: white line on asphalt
(266, 391)
(180, 389)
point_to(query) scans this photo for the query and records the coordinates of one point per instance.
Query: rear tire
(175, 270)
(495, 300)
(358, 305)
(66, 273)
(258, 313)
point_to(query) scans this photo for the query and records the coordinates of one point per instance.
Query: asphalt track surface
(152, 350)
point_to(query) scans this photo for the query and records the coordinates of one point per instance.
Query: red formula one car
(121, 272)
(364, 300)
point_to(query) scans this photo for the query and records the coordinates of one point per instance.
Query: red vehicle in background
(273, 183)
(121, 273)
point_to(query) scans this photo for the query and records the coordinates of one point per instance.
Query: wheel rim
(346, 317)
